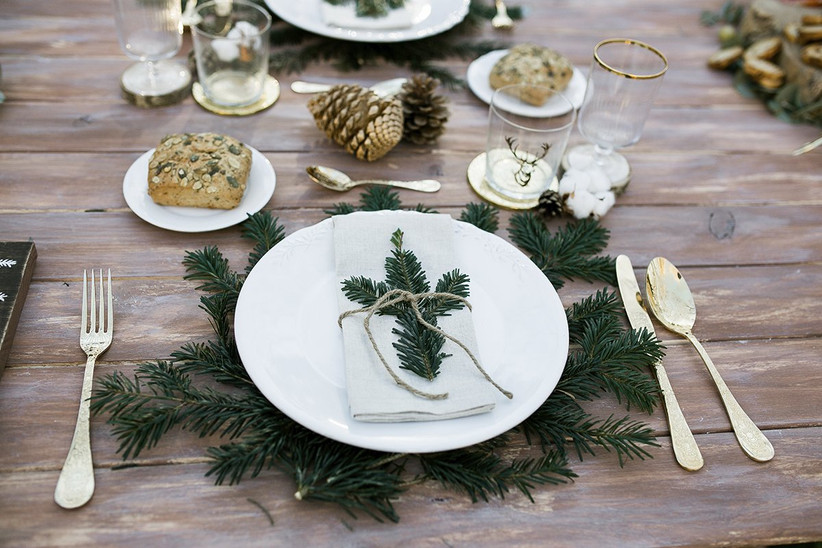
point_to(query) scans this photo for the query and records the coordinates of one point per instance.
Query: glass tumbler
(231, 45)
(524, 148)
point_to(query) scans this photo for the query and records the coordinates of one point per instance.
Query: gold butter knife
(685, 448)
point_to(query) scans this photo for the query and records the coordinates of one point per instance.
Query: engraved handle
(75, 486)
(685, 448)
(750, 437)
(425, 185)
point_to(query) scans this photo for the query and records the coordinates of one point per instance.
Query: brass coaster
(271, 92)
(476, 178)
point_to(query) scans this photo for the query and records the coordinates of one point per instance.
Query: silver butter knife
(685, 448)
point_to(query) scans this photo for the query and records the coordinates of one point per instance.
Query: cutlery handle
(75, 486)
(299, 86)
(425, 185)
(750, 437)
(685, 448)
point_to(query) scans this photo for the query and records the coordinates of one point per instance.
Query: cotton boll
(599, 181)
(573, 180)
(226, 50)
(581, 204)
(603, 204)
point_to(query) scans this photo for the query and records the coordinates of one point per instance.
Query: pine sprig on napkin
(419, 349)
(165, 394)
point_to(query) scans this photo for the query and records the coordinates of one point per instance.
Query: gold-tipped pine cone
(358, 120)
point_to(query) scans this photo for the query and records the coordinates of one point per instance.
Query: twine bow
(396, 296)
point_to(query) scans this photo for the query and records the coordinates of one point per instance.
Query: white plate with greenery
(289, 341)
(430, 17)
(259, 188)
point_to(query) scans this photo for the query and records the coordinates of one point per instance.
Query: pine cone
(358, 120)
(425, 112)
(550, 204)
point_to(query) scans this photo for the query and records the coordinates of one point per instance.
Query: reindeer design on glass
(527, 161)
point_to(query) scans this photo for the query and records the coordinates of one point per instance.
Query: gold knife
(685, 449)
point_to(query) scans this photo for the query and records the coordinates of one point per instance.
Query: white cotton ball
(581, 204)
(604, 204)
(226, 50)
(599, 181)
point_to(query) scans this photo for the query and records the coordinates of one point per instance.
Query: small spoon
(383, 89)
(337, 180)
(672, 303)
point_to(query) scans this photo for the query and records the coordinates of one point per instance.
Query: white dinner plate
(289, 341)
(431, 17)
(480, 70)
(259, 188)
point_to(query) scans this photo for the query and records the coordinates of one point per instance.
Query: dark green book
(16, 266)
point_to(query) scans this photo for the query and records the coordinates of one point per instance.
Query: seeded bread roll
(536, 65)
(199, 170)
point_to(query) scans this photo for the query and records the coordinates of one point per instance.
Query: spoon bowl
(335, 179)
(672, 303)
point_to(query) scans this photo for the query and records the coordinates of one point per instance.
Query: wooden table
(715, 189)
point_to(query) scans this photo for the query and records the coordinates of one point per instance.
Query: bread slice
(199, 170)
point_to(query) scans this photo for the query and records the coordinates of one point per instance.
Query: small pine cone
(550, 204)
(425, 112)
(358, 120)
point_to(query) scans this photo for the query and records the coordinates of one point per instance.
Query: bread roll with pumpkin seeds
(543, 69)
(206, 170)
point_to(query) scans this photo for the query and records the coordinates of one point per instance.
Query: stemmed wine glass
(625, 76)
(151, 31)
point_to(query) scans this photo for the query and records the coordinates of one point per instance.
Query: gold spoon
(672, 303)
(337, 180)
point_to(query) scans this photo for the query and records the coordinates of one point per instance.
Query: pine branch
(602, 303)
(340, 209)
(568, 253)
(211, 268)
(265, 231)
(483, 216)
(217, 360)
(352, 478)
(378, 198)
(481, 474)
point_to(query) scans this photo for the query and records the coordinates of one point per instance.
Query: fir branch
(568, 254)
(211, 268)
(481, 474)
(217, 360)
(340, 209)
(602, 303)
(378, 198)
(482, 215)
(349, 477)
(265, 231)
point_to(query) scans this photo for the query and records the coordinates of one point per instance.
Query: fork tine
(110, 323)
(84, 321)
(102, 304)
(92, 306)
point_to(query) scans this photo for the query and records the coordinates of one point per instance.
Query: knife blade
(684, 445)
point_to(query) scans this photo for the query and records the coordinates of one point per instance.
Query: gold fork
(75, 485)
(501, 20)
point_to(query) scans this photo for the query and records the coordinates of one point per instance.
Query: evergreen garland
(295, 49)
(604, 359)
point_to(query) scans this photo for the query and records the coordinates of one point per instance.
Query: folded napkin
(361, 244)
(345, 16)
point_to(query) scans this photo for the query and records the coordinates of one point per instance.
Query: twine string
(396, 296)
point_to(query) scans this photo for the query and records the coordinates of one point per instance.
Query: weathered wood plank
(768, 378)
(176, 505)
(680, 179)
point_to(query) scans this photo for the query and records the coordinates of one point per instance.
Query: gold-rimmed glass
(623, 81)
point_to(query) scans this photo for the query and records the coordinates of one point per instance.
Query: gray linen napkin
(361, 244)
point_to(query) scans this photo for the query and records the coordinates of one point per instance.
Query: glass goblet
(624, 79)
(151, 32)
